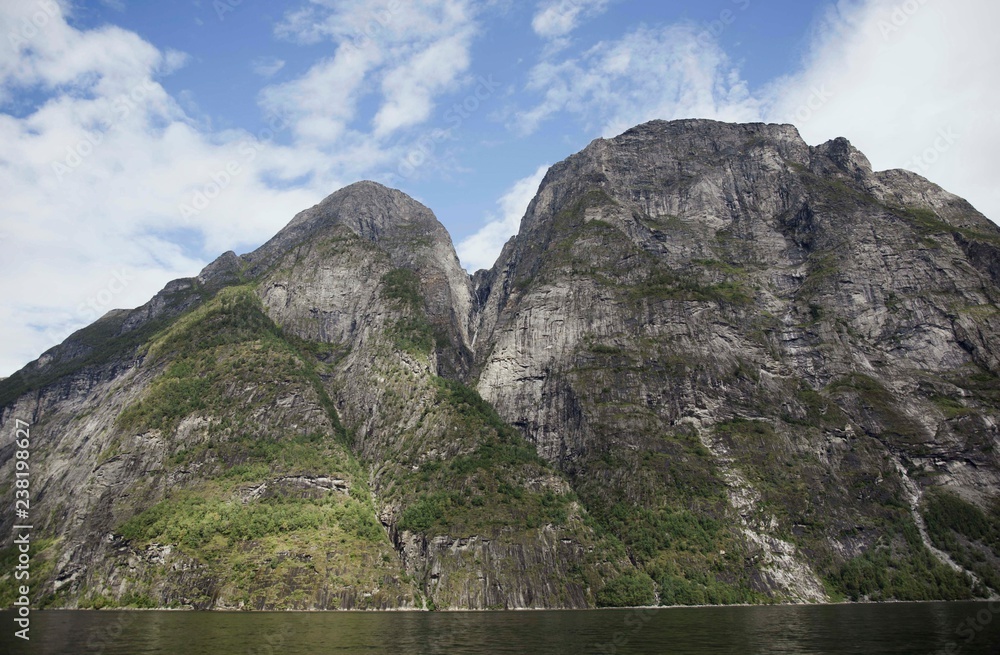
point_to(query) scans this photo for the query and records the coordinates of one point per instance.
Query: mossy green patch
(193, 520)
(880, 405)
(412, 333)
(403, 285)
(662, 285)
(928, 223)
(211, 356)
(234, 315)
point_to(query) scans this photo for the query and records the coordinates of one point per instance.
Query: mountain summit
(716, 365)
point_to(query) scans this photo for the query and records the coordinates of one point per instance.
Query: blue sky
(139, 140)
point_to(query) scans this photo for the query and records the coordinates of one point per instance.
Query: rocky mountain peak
(369, 209)
(383, 216)
(848, 159)
(699, 132)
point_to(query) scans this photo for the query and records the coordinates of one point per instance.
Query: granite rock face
(826, 333)
(715, 365)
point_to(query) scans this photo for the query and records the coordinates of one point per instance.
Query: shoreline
(520, 609)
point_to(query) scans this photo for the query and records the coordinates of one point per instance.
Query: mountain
(716, 365)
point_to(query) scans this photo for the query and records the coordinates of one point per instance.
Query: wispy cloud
(557, 18)
(894, 76)
(267, 66)
(482, 248)
(665, 72)
(406, 54)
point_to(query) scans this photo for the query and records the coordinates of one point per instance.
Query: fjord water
(967, 628)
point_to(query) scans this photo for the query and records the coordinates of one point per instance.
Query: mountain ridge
(715, 365)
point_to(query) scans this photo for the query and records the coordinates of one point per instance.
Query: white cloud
(414, 51)
(557, 18)
(108, 59)
(897, 77)
(386, 22)
(410, 88)
(667, 72)
(482, 248)
(267, 66)
(303, 26)
(321, 104)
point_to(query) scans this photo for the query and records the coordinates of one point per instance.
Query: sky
(141, 140)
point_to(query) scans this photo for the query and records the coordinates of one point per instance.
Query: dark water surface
(968, 628)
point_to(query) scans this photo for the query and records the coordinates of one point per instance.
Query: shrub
(627, 590)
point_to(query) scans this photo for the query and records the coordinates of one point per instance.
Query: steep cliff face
(460, 493)
(403, 233)
(768, 343)
(715, 365)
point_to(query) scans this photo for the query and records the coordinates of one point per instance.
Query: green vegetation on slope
(894, 427)
(628, 590)
(664, 284)
(970, 535)
(101, 342)
(482, 491)
(899, 567)
(412, 333)
(42, 553)
(668, 508)
(403, 285)
(928, 222)
(206, 352)
(810, 500)
(257, 520)
(195, 520)
(653, 485)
